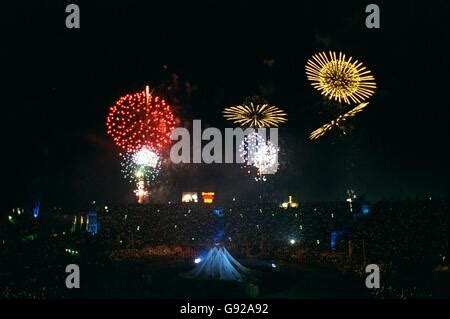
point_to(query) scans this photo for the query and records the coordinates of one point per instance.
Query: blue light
(365, 209)
(219, 225)
(218, 264)
(92, 224)
(36, 209)
(333, 240)
(218, 212)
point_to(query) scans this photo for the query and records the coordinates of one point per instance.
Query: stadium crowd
(403, 237)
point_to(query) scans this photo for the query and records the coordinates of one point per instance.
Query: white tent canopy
(219, 264)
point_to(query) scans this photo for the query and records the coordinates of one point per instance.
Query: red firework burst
(140, 119)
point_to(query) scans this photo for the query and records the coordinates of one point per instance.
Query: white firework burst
(255, 151)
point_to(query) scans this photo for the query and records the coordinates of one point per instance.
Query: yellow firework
(339, 78)
(255, 114)
(337, 122)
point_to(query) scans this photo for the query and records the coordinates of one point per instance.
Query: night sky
(58, 85)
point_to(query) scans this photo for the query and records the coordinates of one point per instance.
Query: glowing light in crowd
(141, 192)
(74, 224)
(351, 195)
(339, 78)
(365, 209)
(71, 251)
(208, 197)
(255, 112)
(339, 122)
(189, 197)
(292, 241)
(197, 260)
(289, 203)
(36, 209)
(140, 120)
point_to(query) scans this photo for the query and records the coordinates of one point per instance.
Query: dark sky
(58, 84)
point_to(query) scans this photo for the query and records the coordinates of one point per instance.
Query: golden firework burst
(337, 122)
(339, 78)
(255, 113)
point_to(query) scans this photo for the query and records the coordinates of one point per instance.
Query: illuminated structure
(255, 112)
(289, 203)
(218, 264)
(79, 223)
(339, 78)
(189, 197)
(208, 197)
(92, 225)
(339, 122)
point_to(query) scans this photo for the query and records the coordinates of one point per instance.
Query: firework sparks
(256, 152)
(140, 119)
(266, 159)
(143, 165)
(146, 157)
(339, 78)
(254, 112)
(141, 192)
(337, 122)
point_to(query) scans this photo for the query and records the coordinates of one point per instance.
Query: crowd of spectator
(249, 229)
(403, 237)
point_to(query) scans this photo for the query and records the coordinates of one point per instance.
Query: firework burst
(339, 78)
(255, 112)
(143, 165)
(266, 159)
(140, 119)
(258, 153)
(337, 122)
